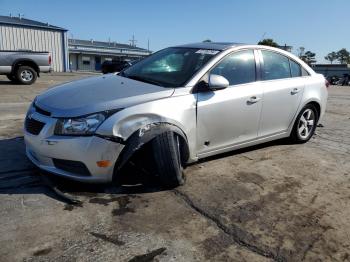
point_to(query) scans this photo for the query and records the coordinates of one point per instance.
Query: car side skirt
(245, 144)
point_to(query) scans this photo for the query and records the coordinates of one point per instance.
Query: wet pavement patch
(123, 208)
(148, 256)
(250, 177)
(42, 252)
(70, 207)
(103, 201)
(216, 245)
(112, 239)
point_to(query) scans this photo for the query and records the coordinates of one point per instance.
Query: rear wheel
(305, 124)
(167, 153)
(26, 75)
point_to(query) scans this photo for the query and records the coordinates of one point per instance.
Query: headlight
(86, 125)
(31, 109)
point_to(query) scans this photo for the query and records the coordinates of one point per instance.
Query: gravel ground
(274, 202)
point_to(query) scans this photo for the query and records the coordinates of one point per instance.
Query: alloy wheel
(306, 123)
(26, 75)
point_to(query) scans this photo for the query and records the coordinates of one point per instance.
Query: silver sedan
(182, 103)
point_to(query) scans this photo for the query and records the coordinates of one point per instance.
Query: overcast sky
(321, 26)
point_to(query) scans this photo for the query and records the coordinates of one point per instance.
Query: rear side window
(276, 66)
(295, 69)
(237, 68)
(304, 72)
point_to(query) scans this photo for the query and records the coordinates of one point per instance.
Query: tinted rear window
(295, 69)
(304, 72)
(275, 66)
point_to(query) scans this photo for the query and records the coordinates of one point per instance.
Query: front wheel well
(140, 141)
(29, 63)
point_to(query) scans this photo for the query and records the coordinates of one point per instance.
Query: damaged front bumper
(73, 157)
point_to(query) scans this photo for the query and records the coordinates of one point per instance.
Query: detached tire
(305, 124)
(167, 154)
(26, 75)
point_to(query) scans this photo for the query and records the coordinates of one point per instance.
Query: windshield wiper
(121, 73)
(142, 79)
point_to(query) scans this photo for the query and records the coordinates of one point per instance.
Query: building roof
(20, 21)
(331, 65)
(212, 45)
(100, 44)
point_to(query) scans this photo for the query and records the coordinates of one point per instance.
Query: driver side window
(237, 68)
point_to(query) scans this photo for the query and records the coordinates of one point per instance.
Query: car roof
(212, 45)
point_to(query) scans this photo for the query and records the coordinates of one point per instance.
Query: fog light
(103, 163)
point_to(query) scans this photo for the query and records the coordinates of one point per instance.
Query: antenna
(133, 41)
(20, 16)
(263, 36)
(148, 44)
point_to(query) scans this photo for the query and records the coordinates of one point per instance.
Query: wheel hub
(26, 75)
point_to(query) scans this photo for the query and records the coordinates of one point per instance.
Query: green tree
(331, 57)
(308, 57)
(343, 56)
(268, 42)
(207, 41)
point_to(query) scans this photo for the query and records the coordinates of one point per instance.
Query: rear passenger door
(283, 86)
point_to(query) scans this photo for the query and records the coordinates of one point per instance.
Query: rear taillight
(49, 59)
(327, 83)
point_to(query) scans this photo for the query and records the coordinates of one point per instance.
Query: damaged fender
(145, 135)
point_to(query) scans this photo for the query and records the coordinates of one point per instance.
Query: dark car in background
(116, 66)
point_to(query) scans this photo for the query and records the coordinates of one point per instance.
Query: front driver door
(230, 116)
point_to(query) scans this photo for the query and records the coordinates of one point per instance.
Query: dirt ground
(274, 202)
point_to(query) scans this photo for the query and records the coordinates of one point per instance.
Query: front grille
(41, 111)
(33, 126)
(74, 167)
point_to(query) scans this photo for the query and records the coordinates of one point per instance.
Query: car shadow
(282, 141)
(19, 176)
(6, 82)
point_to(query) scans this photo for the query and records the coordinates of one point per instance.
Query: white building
(18, 33)
(88, 55)
(329, 70)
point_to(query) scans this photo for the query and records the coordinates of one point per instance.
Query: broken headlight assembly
(82, 126)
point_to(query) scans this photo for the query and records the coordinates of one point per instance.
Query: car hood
(96, 94)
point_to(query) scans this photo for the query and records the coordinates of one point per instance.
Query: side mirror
(217, 82)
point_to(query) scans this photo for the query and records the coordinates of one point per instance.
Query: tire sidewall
(180, 174)
(168, 159)
(19, 78)
(295, 135)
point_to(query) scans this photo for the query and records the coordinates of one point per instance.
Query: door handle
(295, 91)
(253, 100)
